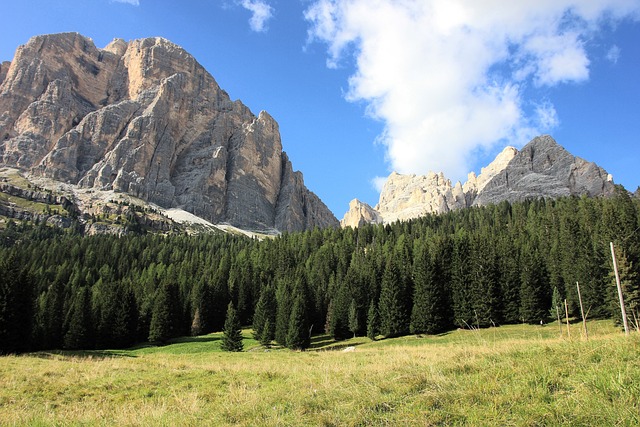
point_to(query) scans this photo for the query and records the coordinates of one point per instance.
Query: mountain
(542, 168)
(144, 118)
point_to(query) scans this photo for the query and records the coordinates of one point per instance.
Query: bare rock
(543, 168)
(360, 213)
(4, 69)
(410, 196)
(146, 119)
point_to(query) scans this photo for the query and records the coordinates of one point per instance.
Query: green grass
(510, 376)
(14, 178)
(31, 206)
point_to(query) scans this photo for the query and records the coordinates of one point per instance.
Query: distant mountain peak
(543, 168)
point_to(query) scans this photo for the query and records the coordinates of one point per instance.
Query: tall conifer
(232, 334)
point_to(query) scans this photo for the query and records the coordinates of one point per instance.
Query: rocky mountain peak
(543, 168)
(145, 118)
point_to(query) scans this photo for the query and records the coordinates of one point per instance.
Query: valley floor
(512, 375)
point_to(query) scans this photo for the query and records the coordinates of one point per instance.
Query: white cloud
(261, 12)
(378, 182)
(131, 2)
(448, 78)
(613, 54)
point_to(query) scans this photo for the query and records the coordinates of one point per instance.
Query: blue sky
(364, 87)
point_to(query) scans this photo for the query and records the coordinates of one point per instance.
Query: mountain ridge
(543, 168)
(145, 118)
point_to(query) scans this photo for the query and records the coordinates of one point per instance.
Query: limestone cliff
(541, 169)
(360, 213)
(145, 118)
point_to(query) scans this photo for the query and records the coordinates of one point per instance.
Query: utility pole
(622, 309)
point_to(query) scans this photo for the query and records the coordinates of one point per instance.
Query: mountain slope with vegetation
(476, 267)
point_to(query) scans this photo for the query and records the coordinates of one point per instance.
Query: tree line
(477, 267)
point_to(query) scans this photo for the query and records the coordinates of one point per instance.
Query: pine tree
(460, 283)
(373, 321)
(165, 315)
(284, 304)
(202, 322)
(430, 305)
(394, 319)
(264, 318)
(354, 323)
(338, 315)
(232, 335)
(298, 334)
(556, 303)
(51, 317)
(79, 331)
(533, 300)
(16, 308)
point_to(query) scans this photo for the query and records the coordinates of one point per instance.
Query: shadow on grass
(319, 341)
(327, 343)
(198, 339)
(83, 354)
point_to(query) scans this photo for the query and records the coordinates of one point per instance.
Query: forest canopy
(476, 267)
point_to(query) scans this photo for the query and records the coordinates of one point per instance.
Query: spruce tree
(79, 331)
(394, 319)
(533, 296)
(298, 334)
(232, 335)
(264, 318)
(16, 308)
(556, 303)
(430, 305)
(373, 321)
(284, 303)
(354, 322)
(164, 315)
(461, 282)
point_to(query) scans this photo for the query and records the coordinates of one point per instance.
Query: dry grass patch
(489, 377)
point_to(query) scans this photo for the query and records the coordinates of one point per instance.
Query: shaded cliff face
(145, 118)
(542, 168)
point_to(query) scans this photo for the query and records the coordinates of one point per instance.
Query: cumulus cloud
(449, 78)
(131, 2)
(261, 12)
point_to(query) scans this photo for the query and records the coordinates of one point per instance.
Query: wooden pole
(584, 319)
(566, 312)
(622, 309)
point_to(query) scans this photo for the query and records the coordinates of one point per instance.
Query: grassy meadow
(517, 375)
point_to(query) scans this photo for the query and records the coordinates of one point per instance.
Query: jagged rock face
(360, 213)
(4, 69)
(545, 169)
(475, 184)
(410, 196)
(147, 119)
(542, 169)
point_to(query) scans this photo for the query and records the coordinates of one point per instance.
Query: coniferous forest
(478, 267)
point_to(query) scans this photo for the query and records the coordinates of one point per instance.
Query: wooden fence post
(622, 308)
